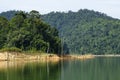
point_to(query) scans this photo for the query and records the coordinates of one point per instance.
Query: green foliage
(12, 49)
(28, 32)
(4, 27)
(87, 31)
(81, 32)
(8, 14)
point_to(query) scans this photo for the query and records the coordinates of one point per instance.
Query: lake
(100, 68)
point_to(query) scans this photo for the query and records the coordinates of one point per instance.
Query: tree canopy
(27, 31)
(87, 31)
(82, 32)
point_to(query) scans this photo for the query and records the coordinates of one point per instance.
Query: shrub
(12, 49)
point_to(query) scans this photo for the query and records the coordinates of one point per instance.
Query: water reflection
(31, 71)
(94, 69)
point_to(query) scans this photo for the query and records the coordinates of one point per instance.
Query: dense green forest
(85, 31)
(27, 32)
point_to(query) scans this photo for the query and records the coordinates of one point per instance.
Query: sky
(109, 7)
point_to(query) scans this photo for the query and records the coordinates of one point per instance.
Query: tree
(34, 14)
(28, 32)
(87, 31)
(4, 27)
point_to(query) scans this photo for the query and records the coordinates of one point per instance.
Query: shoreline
(14, 56)
(20, 59)
(17, 60)
(113, 55)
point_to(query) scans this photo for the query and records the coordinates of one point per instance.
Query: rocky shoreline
(13, 56)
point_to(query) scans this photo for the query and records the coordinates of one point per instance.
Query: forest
(81, 32)
(27, 32)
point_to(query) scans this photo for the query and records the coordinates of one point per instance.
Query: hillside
(86, 31)
(8, 14)
(27, 32)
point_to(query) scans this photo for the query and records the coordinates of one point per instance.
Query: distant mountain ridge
(8, 14)
(86, 31)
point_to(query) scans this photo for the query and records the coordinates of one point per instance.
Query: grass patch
(12, 49)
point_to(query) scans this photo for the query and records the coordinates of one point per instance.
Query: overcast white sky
(110, 7)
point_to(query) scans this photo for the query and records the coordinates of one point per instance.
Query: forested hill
(27, 32)
(8, 14)
(86, 31)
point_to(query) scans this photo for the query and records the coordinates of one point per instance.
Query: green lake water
(101, 68)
